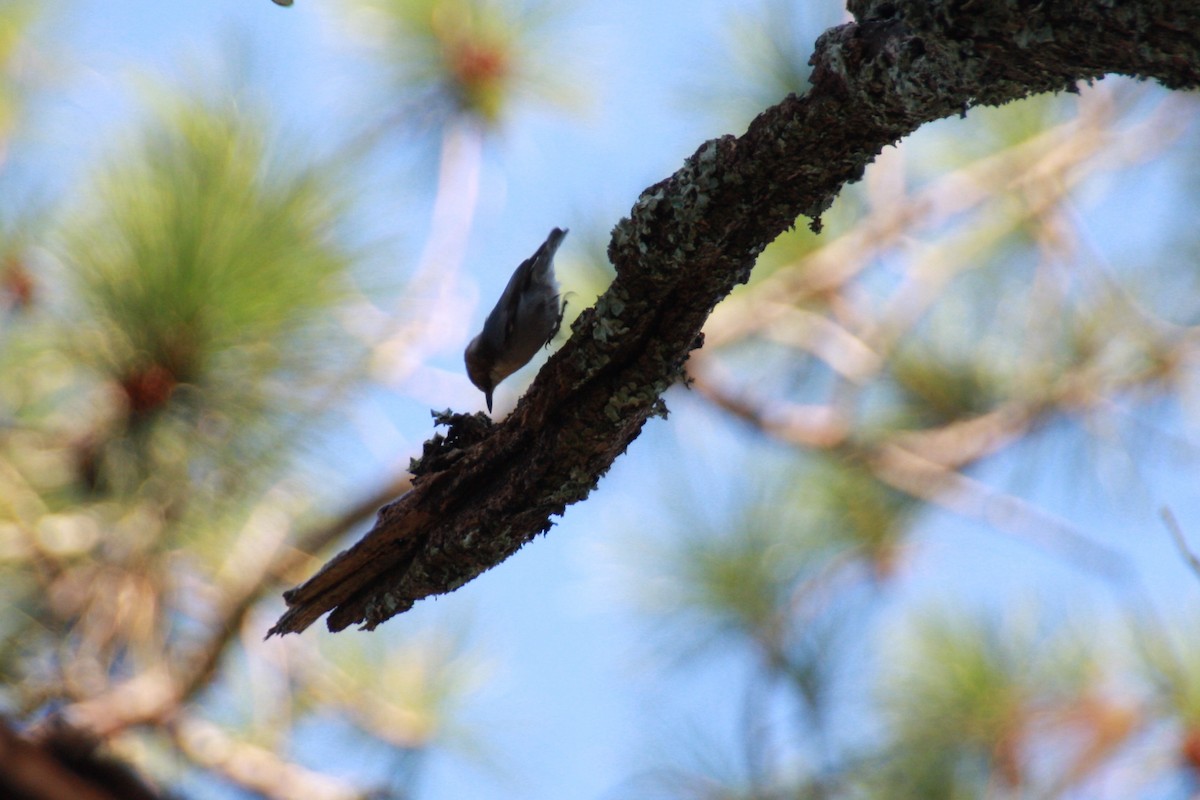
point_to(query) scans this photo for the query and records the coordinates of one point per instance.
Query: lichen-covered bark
(485, 490)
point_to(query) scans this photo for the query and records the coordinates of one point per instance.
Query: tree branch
(484, 491)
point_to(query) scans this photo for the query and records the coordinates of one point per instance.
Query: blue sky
(579, 699)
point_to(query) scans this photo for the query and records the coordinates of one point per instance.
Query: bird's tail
(545, 254)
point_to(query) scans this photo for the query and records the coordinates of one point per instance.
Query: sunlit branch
(253, 767)
(159, 692)
(1062, 156)
(925, 463)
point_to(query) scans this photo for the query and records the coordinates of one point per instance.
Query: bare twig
(255, 768)
(1176, 531)
(925, 463)
(157, 694)
(968, 497)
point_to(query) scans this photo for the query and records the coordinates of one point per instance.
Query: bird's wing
(517, 287)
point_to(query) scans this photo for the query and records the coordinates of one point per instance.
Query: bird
(526, 317)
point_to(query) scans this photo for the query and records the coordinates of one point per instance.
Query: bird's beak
(488, 395)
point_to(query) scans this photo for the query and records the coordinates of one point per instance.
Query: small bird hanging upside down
(526, 317)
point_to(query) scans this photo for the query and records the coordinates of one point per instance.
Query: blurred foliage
(171, 346)
(183, 327)
(173, 349)
(204, 277)
(768, 46)
(458, 58)
(862, 515)
(16, 18)
(1172, 666)
(993, 130)
(740, 581)
(938, 390)
(183, 334)
(957, 306)
(963, 699)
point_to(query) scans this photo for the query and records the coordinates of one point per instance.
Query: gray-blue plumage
(526, 317)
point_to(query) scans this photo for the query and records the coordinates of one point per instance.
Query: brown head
(480, 369)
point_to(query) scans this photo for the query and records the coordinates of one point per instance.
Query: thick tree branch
(487, 490)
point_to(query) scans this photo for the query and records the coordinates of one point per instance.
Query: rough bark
(486, 490)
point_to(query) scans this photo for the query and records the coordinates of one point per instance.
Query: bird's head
(481, 369)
